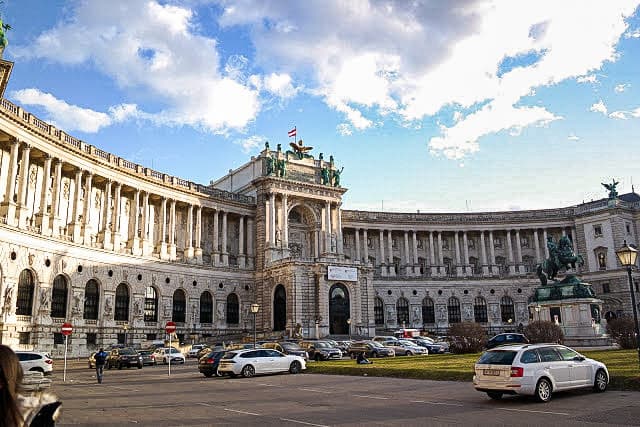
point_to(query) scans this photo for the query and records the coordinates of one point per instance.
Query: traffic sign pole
(169, 356)
(170, 328)
(67, 329)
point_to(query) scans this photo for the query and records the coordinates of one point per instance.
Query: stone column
(574, 243)
(536, 241)
(272, 220)
(162, 250)
(76, 225)
(23, 187)
(198, 249)
(382, 261)
(406, 253)
(8, 207)
(544, 243)
(115, 221)
(392, 270)
(357, 243)
(485, 267)
(172, 231)
(512, 267)
(465, 251)
(250, 237)
(55, 199)
(492, 254)
(43, 217)
(146, 250)
(86, 215)
(456, 242)
(241, 257)
(188, 249)
(267, 221)
(133, 241)
(225, 254)
(285, 224)
(327, 209)
(440, 254)
(519, 253)
(432, 255)
(107, 225)
(365, 243)
(339, 239)
(416, 267)
(215, 256)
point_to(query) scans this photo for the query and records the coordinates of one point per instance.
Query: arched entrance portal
(279, 309)
(339, 309)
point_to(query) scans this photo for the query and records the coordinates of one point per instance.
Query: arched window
(91, 300)
(428, 311)
(378, 311)
(206, 307)
(453, 307)
(506, 309)
(150, 304)
(122, 303)
(480, 310)
(179, 306)
(26, 288)
(233, 310)
(402, 310)
(59, 297)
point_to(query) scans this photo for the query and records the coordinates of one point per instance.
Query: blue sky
(432, 106)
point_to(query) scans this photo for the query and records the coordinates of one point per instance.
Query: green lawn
(622, 365)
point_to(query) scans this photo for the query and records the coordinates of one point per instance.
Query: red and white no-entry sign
(67, 328)
(170, 327)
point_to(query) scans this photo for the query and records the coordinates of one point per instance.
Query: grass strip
(622, 365)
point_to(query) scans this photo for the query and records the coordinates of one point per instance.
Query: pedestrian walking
(16, 410)
(101, 360)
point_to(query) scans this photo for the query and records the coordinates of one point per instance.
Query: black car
(321, 350)
(433, 348)
(507, 338)
(148, 358)
(208, 364)
(124, 357)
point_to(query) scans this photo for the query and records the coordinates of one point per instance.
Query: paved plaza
(149, 397)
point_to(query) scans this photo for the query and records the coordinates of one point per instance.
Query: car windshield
(376, 344)
(127, 351)
(144, 352)
(497, 357)
(321, 344)
(172, 350)
(405, 342)
(290, 346)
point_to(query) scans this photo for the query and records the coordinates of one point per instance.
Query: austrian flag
(292, 133)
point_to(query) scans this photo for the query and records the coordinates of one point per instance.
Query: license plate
(492, 372)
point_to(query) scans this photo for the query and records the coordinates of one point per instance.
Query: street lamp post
(349, 326)
(627, 257)
(255, 308)
(126, 328)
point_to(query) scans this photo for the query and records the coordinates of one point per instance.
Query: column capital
(25, 146)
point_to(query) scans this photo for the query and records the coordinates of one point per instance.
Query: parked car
(536, 370)
(321, 350)
(123, 357)
(287, 347)
(241, 346)
(148, 357)
(370, 349)
(205, 350)
(208, 364)
(35, 361)
(507, 338)
(164, 354)
(432, 347)
(259, 361)
(337, 344)
(92, 360)
(384, 338)
(195, 349)
(405, 348)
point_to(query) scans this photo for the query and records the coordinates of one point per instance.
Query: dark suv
(124, 357)
(287, 347)
(370, 349)
(507, 338)
(321, 350)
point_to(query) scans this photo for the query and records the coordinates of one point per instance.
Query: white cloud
(633, 33)
(573, 137)
(599, 107)
(344, 129)
(155, 48)
(124, 112)
(250, 144)
(620, 115)
(63, 115)
(280, 85)
(621, 87)
(591, 78)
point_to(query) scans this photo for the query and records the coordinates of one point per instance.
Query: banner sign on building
(347, 274)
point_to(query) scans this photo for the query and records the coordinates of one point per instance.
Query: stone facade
(119, 249)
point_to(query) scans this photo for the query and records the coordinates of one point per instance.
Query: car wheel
(408, 353)
(119, 365)
(543, 390)
(89, 365)
(495, 395)
(140, 366)
(375, 354)
(208, 374)
(248, 371)
(295, 367)
(232, 374)
(600, 383)
(218, 374)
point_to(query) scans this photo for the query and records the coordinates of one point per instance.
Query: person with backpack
(101, 360)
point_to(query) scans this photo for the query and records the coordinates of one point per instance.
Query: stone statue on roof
(613, 193)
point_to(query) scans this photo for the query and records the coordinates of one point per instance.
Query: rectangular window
(445, 244)
(628, 227)
(121, 338)
(151, 337)
(597, 230)
(554, 312)
(58, 338)
(92, 338)
(24, 338)
(605, 288)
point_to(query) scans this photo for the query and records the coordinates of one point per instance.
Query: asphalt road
(150, 397)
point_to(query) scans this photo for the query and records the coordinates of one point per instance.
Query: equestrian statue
(561, 257)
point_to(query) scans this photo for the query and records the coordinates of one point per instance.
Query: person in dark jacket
(362, 360)
(101, 360)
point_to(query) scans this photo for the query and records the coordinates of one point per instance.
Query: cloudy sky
(434, 106)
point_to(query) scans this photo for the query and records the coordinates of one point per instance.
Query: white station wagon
(536, 370)
(259, 361)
